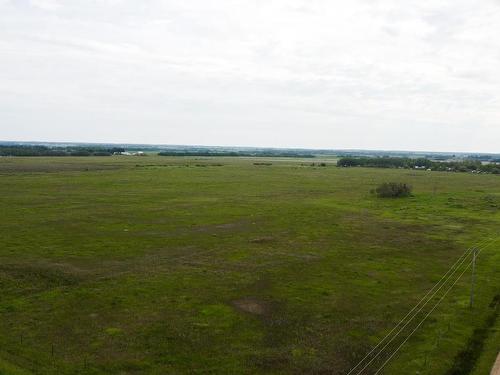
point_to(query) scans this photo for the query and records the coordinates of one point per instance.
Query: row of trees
(385, 162)
(420, 163)
(235, 153)
(37, 150)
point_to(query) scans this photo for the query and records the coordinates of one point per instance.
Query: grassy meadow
(172, 265)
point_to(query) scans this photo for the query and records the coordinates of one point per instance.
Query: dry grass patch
(252, 305)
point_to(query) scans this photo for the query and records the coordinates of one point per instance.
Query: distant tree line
(236, 153)
(468, 165)
(38, 150)
(490, 158)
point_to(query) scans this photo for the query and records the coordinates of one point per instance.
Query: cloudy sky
(376, 74)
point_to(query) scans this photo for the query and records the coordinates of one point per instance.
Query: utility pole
(473, 278)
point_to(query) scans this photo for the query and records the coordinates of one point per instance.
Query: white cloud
(361, 74)
(49, 5)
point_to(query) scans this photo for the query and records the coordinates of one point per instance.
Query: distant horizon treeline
(43, 150)
(467, 165)
(258, 153)
(39, 150)
(472, 164)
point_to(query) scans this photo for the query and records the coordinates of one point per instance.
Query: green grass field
(163, 265)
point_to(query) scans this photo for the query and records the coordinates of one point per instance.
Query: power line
(422, 321)
(461, 259)
(413, 317)
(408, 314)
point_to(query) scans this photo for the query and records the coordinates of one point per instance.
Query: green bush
(393, 190)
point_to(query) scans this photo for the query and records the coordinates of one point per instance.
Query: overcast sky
(377, 74)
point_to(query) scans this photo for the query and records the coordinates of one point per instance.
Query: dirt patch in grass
(226, 227)
(252, 306)
(43, 273)
(23, 280)
(264, 239)
(381, 232)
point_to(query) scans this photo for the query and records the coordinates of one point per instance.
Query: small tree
(393, 190)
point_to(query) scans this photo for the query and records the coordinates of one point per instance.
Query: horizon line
(247, 147)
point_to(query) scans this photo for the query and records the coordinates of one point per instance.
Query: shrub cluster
(393, 190)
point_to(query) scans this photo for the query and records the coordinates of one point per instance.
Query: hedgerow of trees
(468, 165)
(235, 153)
(38, 150)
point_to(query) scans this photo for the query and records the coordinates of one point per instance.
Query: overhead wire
(482, 244)
(422, 321)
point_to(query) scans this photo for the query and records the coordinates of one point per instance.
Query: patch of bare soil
(265, 239)
(226, 227)
(251, 305)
